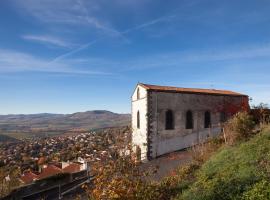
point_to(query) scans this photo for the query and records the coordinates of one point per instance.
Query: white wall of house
(139, 135)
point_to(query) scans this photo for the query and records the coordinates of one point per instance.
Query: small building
(167, 119)
(28, 177)
(49, 170)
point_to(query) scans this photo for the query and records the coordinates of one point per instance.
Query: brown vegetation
(239, 127)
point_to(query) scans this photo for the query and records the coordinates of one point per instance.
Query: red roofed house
(49, 170)
(166, 119)
(72, 168)
(28, 177)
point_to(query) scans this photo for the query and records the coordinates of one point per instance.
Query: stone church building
(167, 119)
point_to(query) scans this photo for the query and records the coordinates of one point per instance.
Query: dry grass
(203, 151)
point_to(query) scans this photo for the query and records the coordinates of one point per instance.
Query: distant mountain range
(59, 123)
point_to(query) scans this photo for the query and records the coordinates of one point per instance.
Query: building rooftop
(72, 168)
(190, 90)
(50, 170)
(28, 177)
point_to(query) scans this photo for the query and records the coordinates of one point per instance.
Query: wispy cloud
(236, 59)
(82, 12)
(48, 40)
(85, 46)
(13, 61)
(228, 55)
(122, 34)
(67, 12)
(93, 20)
(166, 18)
(232, 61)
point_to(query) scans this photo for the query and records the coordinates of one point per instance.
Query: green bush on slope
(234, 173)
(260, 191)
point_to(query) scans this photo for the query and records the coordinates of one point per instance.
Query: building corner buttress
(149, 126)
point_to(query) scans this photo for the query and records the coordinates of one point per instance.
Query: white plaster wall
(139, 136)
(181, 142)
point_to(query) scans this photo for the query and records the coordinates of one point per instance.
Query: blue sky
(66, 56)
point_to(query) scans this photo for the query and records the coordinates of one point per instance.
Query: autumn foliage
(118, 179)
(230, 108)
(124, 179)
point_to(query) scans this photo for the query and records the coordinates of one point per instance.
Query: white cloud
(67, 12)
(58, 58)
(234, 59)
(82, 12)
(46, 39)
(150, 23)
(122, 34)
(13, 61)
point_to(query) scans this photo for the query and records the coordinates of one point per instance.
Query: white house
(167, 119)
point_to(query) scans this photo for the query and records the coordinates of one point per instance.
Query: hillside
(238, 172)
(59, 123)
(6, 138)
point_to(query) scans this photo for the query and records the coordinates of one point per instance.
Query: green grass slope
(241, 172)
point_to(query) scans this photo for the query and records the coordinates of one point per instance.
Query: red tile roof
(189, 90)
(41, 161)
(72, 168)
(50, 170)
(28, 177)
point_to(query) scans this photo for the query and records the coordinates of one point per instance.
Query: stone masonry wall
(165, 141)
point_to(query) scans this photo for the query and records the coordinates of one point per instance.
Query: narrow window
(223, 117)
(207, 119)
(169, 120)
(138, 93)
(189, 120)
(138, 119)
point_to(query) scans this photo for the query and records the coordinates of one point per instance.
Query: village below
(35, 161)
(118, 163)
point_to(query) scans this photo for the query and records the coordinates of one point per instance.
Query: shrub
(261, 114)
(7, 186)
(122, 179)
(260, 191)
(239, 127)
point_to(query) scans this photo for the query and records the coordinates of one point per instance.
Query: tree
(261, 113)
(8, 179)
(239, 127)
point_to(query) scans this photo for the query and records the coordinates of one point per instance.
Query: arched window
(138, 119)
(207, 119)
(223, 117)
(189, 120)
(138, 93)
(169, 120)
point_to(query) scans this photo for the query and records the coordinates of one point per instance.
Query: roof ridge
(191, 90)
